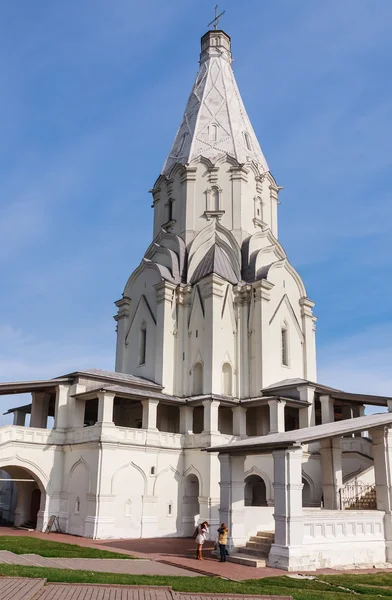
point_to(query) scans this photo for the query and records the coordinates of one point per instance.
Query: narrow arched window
(227, 377)
(285, 347)
(77, 506)
(142, 344)
(169, 210)
(197, 379)
(213, 132)
(247, 140)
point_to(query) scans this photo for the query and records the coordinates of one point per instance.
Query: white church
(214, 411)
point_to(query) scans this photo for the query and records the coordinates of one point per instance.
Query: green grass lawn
(30, 545)
(364, 587)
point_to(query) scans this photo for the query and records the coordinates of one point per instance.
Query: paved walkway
(37, 589)
(105, 565)
(174, 552)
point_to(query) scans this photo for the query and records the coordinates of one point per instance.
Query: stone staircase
(366, 501)
(255, 552)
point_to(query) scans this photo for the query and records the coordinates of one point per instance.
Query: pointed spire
(215, 121)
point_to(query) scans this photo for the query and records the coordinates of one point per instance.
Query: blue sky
(92, 94)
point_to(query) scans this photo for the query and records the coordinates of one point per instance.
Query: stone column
(122, 316)
(307, 416)
(210, 421)
(331, 471)
(186, 419)
(19, 418)
(359, 411)
(276, 410)
(150, 408)
(286, 551)
(61, 407)
(105, 407)
(232, 491)
(239, 421)
(382, 458)
(39, 409)
(327, 409)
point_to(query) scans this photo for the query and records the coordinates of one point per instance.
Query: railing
(30, 435)
(122, 435)
(358, 496)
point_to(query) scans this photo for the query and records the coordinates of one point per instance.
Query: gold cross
(215, 21)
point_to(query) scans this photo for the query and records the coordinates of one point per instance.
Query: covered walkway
(307, 539)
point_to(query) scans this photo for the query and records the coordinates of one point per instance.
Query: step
(261, 546)
(266, 534)
(248, 561)
(260, 540)
(253, 551)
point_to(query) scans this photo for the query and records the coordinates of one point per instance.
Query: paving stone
(100, 592)
(20, 589)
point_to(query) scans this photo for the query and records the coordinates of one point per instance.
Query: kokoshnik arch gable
(215, 351)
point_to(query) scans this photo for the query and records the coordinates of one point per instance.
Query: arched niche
(197, 381)
(255, 491)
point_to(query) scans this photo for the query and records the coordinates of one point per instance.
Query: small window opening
(152, 471)
(285, 357)
(247, 140)
(258, 212)
(197, 333)
(215, 198)
(169, 510)
(142, 344)
(213, 131)
(77, 506)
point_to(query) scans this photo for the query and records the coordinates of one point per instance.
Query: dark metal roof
(114, 376)
(126, 390)
(215, 261)
(267, 443)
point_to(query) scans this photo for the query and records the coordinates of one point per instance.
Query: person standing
(201, 535)
(222, 541)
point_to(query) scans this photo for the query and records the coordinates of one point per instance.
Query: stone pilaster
(260, 335)
(121, 318)
(382, 459)
(309, 347)
(105, 407)
(287, 550)
(164, 355)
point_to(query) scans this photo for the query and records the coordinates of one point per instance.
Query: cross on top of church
(215, 21)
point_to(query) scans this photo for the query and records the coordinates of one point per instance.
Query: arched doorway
(191, 507)
(255, 491)
(27, 499)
